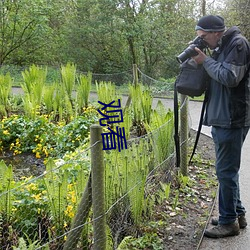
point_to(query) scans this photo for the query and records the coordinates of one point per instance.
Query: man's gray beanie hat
(210, 23)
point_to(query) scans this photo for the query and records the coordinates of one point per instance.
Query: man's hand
(200, 58)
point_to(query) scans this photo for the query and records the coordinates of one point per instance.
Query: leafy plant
(22, 245)
(43, 137)
(5, 90)
(147, 241)
(30, 208)
(164, 191)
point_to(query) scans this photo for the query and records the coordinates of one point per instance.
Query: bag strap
(199, 127)
(176, 126)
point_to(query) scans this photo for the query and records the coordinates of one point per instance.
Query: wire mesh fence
(57, 209)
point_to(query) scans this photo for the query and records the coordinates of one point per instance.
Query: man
(228, 112)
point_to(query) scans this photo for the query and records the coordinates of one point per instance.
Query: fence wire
(45, 210)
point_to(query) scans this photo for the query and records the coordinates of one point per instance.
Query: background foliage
(106, 36)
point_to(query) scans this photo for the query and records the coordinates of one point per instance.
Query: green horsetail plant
(125, 175)
(146, 102)
(6, 184)
(48, 98)
(62, 106)
(141, 106)
(30, 108)
(106, 92)
(33, 85)
(56, 184)
(137, 181)
(68, 74)
(58, 102)
(5, 90)
(135, 93)
(161, 128)
(83, 91)
(127, 122)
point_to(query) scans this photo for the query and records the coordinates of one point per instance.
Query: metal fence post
(98, 195)
(184, 135)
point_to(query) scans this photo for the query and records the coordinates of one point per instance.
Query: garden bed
(178, 222)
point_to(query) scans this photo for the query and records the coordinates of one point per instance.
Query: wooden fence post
(135, 82)
(98, 195)
(135, 74)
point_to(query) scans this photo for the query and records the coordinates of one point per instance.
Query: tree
(237, 13)
(20, 22)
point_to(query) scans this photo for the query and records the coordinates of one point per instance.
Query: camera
(190, 51)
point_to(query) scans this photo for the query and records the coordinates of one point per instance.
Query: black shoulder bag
(192, 79)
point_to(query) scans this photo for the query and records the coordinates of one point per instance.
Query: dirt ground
(187, 222)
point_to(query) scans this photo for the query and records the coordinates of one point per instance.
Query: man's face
(211, 38)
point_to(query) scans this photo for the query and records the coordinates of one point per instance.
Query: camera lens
(187, 53)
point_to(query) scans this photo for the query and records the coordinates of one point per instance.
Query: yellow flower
(69, 211)
(14, 209)
(17, 152)
(38, 156)
(73, 199)
(37, 196)
(6, 132)
(45, 151)
(31, 187)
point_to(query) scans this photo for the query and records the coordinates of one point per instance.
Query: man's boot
(221, 231)
(241, 219)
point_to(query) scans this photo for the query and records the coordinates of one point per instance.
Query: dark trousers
(228, 145)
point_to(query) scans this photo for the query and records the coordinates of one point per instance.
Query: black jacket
(229, 90)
